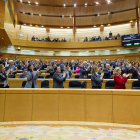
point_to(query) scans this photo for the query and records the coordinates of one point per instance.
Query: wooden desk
(114, 106)
(17, 82)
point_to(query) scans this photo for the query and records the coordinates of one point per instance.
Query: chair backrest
(45, 84)
(74, 84)
(48, 76)
(77, 76)
(84, 84)
(23, 84)
(136, 85)
(110, 84)
(89, 76)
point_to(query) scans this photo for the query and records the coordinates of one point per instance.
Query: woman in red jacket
(119, 79)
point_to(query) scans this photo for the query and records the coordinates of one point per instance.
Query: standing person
(58, 79)
(51, 70)
(108, 72)
(4, 77)
(68, 72)
(134, 70)
(119, 79)
(84, 70)
(78, 69)
(31, 77)
(96, 79)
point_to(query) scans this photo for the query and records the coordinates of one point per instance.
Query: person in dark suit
(119, 79)
(134, 70)
(68, 72)
(62, 66)
(96, 79)
(124, 68)
(139, 75)
(108, 72)
(84, 70)
(51, 70)
(58, 79)
(72, 66)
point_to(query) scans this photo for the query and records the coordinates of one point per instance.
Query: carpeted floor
(67, 132)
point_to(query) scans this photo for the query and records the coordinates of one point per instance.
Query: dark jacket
(134, 73)
(107, 73)
(96, 81)
(3, 80)
(84, 72)
(52, 71)
(58, 80)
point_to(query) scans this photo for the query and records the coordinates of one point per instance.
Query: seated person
(58, 79)
(40, 76)
(96, 79)
(72, 66)
(33, 38)
(22, 75)
(65, 40)
(78, 69)
(108, 72)
(68, 72)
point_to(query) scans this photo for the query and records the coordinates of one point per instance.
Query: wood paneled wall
(135, 57)
(2, 13)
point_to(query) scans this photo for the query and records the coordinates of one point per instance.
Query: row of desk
(114, 106)
(73, 75)
(17, 82)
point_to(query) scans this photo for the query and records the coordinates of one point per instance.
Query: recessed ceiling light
(94, 26)
(131, 20)
(108, 13)
(24, 24)
(97, 3)
(23, 12)
(85, 4)
(31, 13)
(2, 38)
(36, 3)
(61, 27)
(20, 0)
(39, 14)
(64, 5)
(109, 24)
(30, 24)
(75, 5)
(108, 1)
(29, 2)
(102, 25)
(68, 27)
(36, 25)
(98, 14)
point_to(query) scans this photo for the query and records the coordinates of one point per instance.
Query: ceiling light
(131, 20)
(68, 27)
(36, 3)
(64, 5)
(98, 14)
(70, 16)
(109, 24)
(39, 14)
(30, 24)
(24, 24)
(31, 13)
(23, 12)
(102, 25)
(61, 27)
(108, 13)
(36, 25)
(28, 1)
(2, 38)
(97, 3)
(108, 1)
(75, 5)
(42, 26)
(94, 26)
(20, 0)
(85, 4)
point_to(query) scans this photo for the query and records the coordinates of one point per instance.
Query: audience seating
(48, 76)
(84, 84)
(45, 84)
(74, 84)
(23, 84)
(109, 84)
(136, 85)
(77, 76)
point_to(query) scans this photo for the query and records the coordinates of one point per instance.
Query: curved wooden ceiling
(123, 11)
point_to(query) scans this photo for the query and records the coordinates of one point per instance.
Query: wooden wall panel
(18, 107)
(2, 13)
(2, 102)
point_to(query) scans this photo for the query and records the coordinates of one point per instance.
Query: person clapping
(4, 77)
(96, 79)
(31, 77)
(119, 79)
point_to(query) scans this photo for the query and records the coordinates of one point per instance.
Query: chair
(136, 85)
(23, 84)
(84, 84)
(45, 84)
(48, 76)
(74, 84)
(89, 76)
(77, 76)
(110, 84)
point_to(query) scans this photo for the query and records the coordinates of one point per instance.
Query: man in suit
(52, 71)
(68, 71)
(58, 79)
(72, 66)
(124, 68)
(84, 70)
(62, 66)
(114, 63)
(108, 72)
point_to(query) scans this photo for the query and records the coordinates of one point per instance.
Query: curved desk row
(114, 106)
(17, 82)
